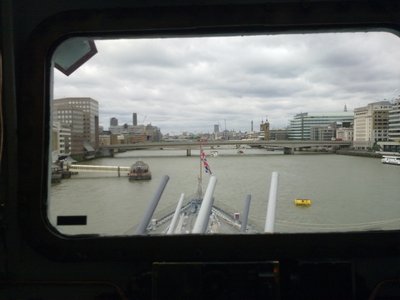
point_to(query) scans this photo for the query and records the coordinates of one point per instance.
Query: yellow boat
(302, 202)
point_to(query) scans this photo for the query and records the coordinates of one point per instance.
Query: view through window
(227, 119)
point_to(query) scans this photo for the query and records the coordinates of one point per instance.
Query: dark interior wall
(34, 262)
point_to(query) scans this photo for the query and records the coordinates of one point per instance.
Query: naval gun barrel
(273, 191)
(176, 215)
(203, 217)
(141, 229)
(246, 210)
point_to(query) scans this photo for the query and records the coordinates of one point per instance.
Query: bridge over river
(288, 146)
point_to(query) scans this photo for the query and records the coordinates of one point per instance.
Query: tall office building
(394, 121)
(301, 125)
(113, 121)
(371, 124)
(134, 119)
(216, 128)
(82, 115)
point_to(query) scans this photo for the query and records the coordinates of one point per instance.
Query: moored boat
(214, 153)
(139, 171)
(391, 160)
(56, 174)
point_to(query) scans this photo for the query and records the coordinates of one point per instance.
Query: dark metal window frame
(269, 17)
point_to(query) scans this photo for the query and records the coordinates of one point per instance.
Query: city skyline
(192, 84)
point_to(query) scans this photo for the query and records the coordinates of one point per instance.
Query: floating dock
(91, 168)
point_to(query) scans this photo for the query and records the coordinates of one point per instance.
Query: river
(348, 193)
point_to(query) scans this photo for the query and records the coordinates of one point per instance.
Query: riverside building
(371, 124)
(393, 143)
(278, 134)
(130, 134)
(61, 140)
(301, 126)
(82, 116)
(394, 121)
(264, 128)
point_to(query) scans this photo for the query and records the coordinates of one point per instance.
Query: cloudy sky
(190, 84)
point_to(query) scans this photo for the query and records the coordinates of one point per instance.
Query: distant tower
(113, 122)
(345, 108)
(265, 127)
(216, 128)
(252, 126)
(134, 119)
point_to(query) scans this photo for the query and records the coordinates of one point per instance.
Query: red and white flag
(205, 162)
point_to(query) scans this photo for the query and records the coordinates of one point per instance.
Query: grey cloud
(184, 83)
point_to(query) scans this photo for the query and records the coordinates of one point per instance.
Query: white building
(61, 139)
(371, 124)
(393, 143)
(344, 134)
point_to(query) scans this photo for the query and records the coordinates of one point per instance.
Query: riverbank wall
(358, 153)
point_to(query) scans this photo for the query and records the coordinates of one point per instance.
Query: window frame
(173, 21)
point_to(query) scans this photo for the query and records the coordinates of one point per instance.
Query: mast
(200, 169)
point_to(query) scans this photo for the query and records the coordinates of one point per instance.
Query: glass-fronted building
(300, 127)
(394, 121)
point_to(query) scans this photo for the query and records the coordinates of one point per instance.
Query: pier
(91, 168)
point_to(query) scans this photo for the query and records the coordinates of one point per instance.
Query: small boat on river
(214, 153)
(391, 160)
(139, 171)
(56, 173)
(302, 202)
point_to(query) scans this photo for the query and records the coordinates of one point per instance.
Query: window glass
(232, 122)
